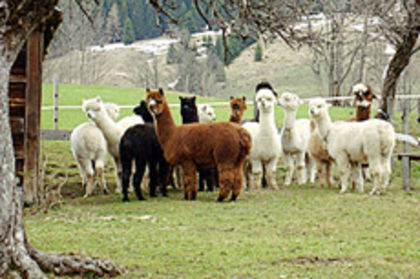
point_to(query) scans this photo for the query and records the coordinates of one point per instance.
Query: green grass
(296, 232)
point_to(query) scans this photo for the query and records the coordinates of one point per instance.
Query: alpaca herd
(221, 153)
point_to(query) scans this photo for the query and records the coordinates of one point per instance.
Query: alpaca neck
(111, 130)
(165, 125)
(324, 125)
(289, 119)
(236, 117)
(362, 113)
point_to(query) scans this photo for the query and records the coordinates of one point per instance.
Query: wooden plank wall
(25, 87)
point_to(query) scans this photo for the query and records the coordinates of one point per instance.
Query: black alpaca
(189, 114)
(143, 112)
(140, 144)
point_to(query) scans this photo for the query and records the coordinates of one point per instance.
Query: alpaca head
(156, 101)
(113, 110)
(363, 95)
(265, 99)
(188, 109)
(142, 111)
(317, 108)
(289, 101)
(94, 108)
(237, 105)
(206, 113)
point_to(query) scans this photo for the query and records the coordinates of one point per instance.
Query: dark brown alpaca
(363, 97)
(237, 106)
(222, 145)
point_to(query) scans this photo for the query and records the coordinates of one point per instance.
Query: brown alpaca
(222, 145)
(363, 97)
(237, 106)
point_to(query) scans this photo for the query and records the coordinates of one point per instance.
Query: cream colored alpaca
(206, 114)
(295, 136)
(89, 149)
(95, 110)
(266, 145)
(353, 143)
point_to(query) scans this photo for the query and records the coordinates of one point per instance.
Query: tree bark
(398, 63)
(18, 258)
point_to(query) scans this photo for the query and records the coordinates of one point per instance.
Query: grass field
(296, 232)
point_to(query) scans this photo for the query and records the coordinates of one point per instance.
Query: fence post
(405, 159)
(55, 101)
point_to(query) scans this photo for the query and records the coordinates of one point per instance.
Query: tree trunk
(17, 257)
(398, 63)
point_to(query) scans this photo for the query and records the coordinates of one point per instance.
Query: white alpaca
(89, 149)
(295, 136)
(266, 146)
(95, 110)
(353, 143)
(206, 114)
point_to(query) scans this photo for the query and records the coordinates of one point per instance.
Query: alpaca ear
(193, 99)
(143, 103)
(161, 91)
(147, 90)
(244, 98)
(98, 99)
(231, 97)
(180, 98)
(374, 96)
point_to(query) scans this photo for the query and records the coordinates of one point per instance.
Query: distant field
(74, 95)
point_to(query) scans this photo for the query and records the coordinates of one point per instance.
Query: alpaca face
(317, 107)
(155, 101)
(265, 100)
(289, 101)
(188, 109)
(238, 105)
(144, 112)
(112, 110)
(207, 112)
(93, 108)
(363, 95)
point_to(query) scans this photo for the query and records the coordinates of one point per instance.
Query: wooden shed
(25, 92)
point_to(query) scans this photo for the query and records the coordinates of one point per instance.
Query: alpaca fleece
(140, 144)
(221, 145)
(189, 114)
(372, 141)
(88, 146)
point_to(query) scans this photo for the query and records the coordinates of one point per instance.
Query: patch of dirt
(316, 260)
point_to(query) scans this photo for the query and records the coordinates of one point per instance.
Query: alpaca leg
(376, 171)
(311, 169)
(190, 180)
(153, 175)
(257, 171)
(138, 177)
(247, 174)
(358, 177)
(288, 162)
(301, 170)
(118, 174)
(82, 171)
(344, 167)
(164, 170)
(386, 172)
(126, 175)
(179, 173)
(270, 172)
(201, 175)
(89, 173)
(100, 168)
(320, 172)
(227, 176)
(237, 184)
(328, 176)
